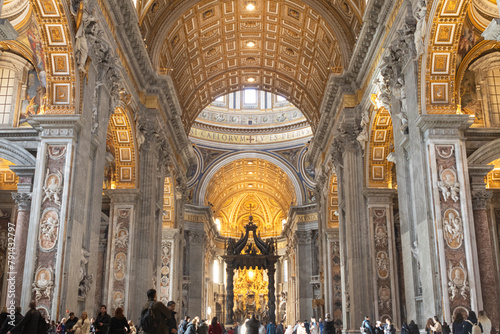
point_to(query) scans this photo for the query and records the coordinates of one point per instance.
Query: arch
(121, 128)
(380, 145)
(486, 153)
(248, 155)
(445, 25)
(58, 60)
(16, 154)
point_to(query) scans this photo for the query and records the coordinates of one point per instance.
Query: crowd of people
(471, 325)
(158, 318)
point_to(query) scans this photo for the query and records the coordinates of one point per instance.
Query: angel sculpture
(53, 187)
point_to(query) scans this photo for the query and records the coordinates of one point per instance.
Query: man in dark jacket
(253, 325)
(329, 325)
(280, 329)
(71, 322)
(10, 323)
(31, 321)
(172, 322)
(102, 320)
(161, 313)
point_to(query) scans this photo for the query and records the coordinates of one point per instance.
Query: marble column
(147, 235)
(230, 293)
(101, 289)
(304, 272)
(380, 215)
(355, 246)
(18, 252)
(121, 234)
(271, 295)
(169, 265)
(22, 219)
(483, 226)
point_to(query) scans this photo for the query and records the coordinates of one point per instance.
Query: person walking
(82, 326)
(7, 324)
(389, 327)
(436, 327)
(413, 328)
(458, 324)
(172, 322)
(102, 320)
(280, 329)
(183, 325)
(329, 326)
(483, 319)
(133, 330)
(215, 327)
(71, 322)
(192, 326)
(161, 313)
(118, 324)
(30, 323)
(428, 326)
(271, 328)
(366, 327)
(470, 322)
(61, 328)
(203, 327)
(252, 325)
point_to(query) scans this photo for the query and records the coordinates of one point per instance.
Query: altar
(253, 258)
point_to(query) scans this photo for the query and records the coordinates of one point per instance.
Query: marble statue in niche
(365, 122)
(420, 14)
(457, 284)
(452, 226)
(85, 279)
(52, 187)
(42, 286)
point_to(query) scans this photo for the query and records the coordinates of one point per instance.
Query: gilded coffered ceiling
(257, 183)
(217, 47)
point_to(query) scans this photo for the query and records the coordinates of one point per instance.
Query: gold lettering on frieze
(307, 218)
(249, 139)
(194, 218)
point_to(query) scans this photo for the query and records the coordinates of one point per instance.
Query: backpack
(148, 321)
(475, 328)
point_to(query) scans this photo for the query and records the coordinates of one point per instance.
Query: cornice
(379, 196)
(257, 131)
(123, 196)
(444, 125)
(60, 126)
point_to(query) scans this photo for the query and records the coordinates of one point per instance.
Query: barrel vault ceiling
(215, 47)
